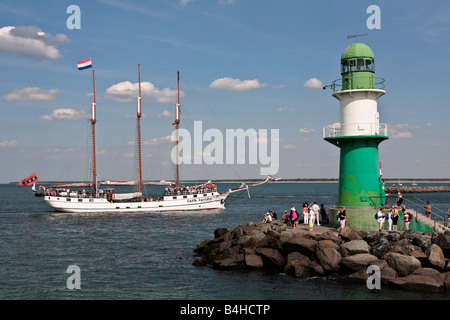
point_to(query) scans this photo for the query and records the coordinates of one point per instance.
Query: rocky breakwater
(410, 260)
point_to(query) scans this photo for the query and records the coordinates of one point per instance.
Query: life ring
(53, 193)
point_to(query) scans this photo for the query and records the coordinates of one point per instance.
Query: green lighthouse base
(360, 218)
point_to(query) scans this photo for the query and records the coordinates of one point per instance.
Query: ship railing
(355, 129)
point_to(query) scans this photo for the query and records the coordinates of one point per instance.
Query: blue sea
(149, 256)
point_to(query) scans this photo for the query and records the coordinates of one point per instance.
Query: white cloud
(8, 144)
(305, 130)
(164, 114)
(236, 84)
(402, 135)
(31, 93)
(227, 1)
(31, 42)
(313, 83)
(127, 92)
(401, 131)
(285, 109)
(64, 114)
(159, 140)
(289, 147)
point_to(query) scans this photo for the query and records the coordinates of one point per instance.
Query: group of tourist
(310, 214)
(183, 190)
(392, 217)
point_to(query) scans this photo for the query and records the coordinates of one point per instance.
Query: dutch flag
(84, 64)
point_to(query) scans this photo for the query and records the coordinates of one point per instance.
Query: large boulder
(253, 261)
(354, 247)
(404, 265)
(300, 244)
(329, 259)
(359, 261)
(271, 257)
(443, 241)
(436, 257)
(349, 234)
(416, 282)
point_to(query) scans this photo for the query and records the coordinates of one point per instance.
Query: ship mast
(177, 125)
(139, 114)
(93, 121)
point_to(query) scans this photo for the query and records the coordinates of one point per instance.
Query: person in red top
(407, 220)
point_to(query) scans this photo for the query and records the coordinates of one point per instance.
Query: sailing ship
(73, 197)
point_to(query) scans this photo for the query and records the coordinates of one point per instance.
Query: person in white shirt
(315, 208)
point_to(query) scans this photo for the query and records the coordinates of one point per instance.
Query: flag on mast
(28, 181)
(81, 65)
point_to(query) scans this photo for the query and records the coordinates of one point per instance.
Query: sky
(244, 64)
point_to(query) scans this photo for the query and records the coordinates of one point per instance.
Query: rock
(316, 268)
(381, 248)
(253, 261)
(430, 273)
(443, 241)
(322, 244)
(354, 247)
(219, 232)
(370, 236)
(424, 241)
(271, 257)
(419, 283)
(229, 263)
(446, 276)
(300, 258)
(436, 257)
(404, 265)
(329, 259)
(300, 244)
(394, 236)
(359, 261)
(350, 234)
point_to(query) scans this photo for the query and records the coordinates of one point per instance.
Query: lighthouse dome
(357, 50)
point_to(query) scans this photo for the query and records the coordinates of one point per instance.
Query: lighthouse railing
(336, 85)
(355, 129)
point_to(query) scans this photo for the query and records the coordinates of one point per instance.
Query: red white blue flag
(28, 181)
(84, 64)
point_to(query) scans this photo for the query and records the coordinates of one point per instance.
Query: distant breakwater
(410, 260)
(416, 189)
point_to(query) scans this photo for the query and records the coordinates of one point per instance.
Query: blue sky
(270, 49)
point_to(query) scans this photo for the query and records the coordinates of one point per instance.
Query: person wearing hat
(267, 218)
(294, 218)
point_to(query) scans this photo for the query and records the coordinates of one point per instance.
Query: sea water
(149, 255)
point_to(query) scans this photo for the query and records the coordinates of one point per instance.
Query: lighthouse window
(352, 65)
(369, 65)
(344, 67)
(360, 65)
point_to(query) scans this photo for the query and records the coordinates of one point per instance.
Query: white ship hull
(207, 201)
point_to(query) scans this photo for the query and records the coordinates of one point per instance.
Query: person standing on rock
(395, 217)
(305, 212)
(407, 220)
(380, 219)
(389, 216)
(342, 218)
(428, 209)
(294, 218)
(315, 208)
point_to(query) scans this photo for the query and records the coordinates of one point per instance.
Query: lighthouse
(358, 135)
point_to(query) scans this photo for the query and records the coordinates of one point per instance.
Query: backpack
(376, 216)
(410, 216)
